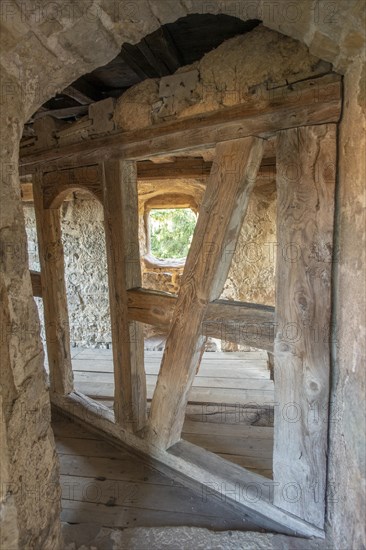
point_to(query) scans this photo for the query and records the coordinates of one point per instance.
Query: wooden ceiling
(159, 54)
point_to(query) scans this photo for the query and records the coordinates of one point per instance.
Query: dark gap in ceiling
(159, 54)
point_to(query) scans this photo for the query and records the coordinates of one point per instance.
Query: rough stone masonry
(43, 49)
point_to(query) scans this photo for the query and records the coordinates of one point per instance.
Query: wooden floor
(113, 488)
(230, 409)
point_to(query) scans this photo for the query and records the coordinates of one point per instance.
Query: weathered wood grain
(306, 164)
(239, 322)
(58, 184)
(124, 272)
(219, 223)
(313, 101)
(192, 465)
(205, 382)
(151, 306)
(56, 316)
(186, 168)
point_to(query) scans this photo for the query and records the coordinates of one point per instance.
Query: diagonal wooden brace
(221, 216)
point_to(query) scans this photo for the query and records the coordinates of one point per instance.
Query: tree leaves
(171, 232)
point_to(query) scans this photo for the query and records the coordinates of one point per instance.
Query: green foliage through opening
(171, 232)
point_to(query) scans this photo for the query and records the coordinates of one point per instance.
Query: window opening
(171, 231)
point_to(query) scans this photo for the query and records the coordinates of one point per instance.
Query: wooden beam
(219, 223)
(56, 317)
(314, 101)
(36, 283)
(242, 323)
(66, 112)
(59, 184)
(171, 200)
(124, 272)
(187, 168)
(156, 63)
(77, 95)
(87, 89)
(306, 168)
(128, 54)
(151, 306)
(245, 492)
(162, 41)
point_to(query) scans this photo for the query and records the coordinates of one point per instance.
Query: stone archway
(46, 46)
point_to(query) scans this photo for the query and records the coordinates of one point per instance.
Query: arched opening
(211, 87)
(171, 231)
(86, 278)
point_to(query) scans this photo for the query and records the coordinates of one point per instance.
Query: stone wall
(251, 277)
(44, 50)
(29, 489)
(242, 67)
(252, 274)
(85, 270)
(171, 193)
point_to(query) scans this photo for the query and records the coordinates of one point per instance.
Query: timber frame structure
(300, 123)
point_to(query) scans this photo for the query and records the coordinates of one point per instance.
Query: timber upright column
(124, 273)
(51, 255)
(306, 167)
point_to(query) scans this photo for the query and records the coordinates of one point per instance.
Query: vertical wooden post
(124, 273)
(219, 223)
(56, 317)
(306, 161)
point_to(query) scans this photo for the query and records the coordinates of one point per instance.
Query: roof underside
(159, 54)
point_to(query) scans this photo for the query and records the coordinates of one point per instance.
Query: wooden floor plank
(227, 370)
(104, 485)
(262, 466)
(122, 469)
(135, 494)
(123, 517)
(106, 354)
(243, 447)
(230, 409)
(196, 395)
(235, 430)
(89, 448)
(200, 381)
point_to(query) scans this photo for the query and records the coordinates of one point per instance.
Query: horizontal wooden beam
(185, 167)
(65, 112)
(313, 101)
(151, 306)
(243, 491)
(191, 168)
(77, 95)
(242, 323)
(239, 322)
(180, 168)
(36, 283)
